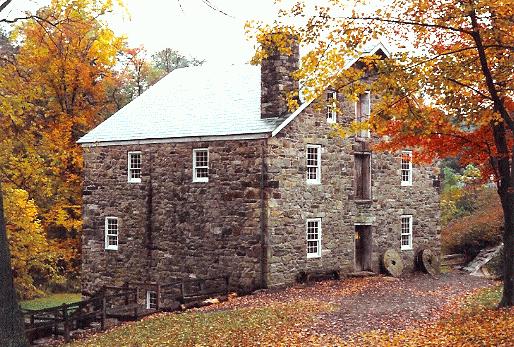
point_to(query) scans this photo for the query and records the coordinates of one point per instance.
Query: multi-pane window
(406, 236)
(201, 165)
(151, 299)
(111, 233)
(314, 164)
(134, 167)
(406, 168)
(362, 112)
(314, 238)
(363, 176)
(331, 106)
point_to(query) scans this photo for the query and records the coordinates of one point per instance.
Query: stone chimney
(276, 79)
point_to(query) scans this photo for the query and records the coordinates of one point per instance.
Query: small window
(363, 176)
(363, 111)
(134, 167)
(314, 164)
(314, 238)
(111, 233)
(151, 299)
(406, 168)
(201, 165)
(331, 106)
(406, 237)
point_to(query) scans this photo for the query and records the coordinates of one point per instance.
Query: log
(392, 263)
(428, 262)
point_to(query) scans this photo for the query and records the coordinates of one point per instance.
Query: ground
(51, 300)
(454, 309)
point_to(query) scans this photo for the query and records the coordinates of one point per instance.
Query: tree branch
(4, 4)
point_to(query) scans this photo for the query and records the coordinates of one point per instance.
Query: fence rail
(119, 302)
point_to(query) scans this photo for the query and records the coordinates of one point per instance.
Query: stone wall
(293, 200)
(169, 227)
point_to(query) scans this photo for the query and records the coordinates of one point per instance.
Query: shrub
(482, 228)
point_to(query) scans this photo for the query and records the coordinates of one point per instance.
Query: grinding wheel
(392, 263)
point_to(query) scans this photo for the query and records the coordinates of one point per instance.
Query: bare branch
(4, 4)
(211, 6)
(413, 23)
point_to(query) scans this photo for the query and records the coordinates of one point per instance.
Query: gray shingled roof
(197, 101)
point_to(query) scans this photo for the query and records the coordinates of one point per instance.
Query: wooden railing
(63, 319)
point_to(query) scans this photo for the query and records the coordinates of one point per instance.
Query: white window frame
(108, 246)
(316, 180)
(317, 240)
(196, 167)
(363, 133)
(406, 232)
(130, 168)
(149, 304)
(408, 169)
(331, 107)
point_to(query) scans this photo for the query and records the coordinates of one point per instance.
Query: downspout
(264, 215)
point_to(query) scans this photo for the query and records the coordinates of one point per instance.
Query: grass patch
(50, 301)
(485, 298)
(247, 326)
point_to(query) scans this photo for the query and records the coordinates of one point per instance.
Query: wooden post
(182, 292)
(125, 286)
(226, 284)
(66, 323)
(158, 293)
(104, 313)
(32, 320)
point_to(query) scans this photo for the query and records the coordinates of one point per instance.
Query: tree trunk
(508, 251)
(12, 332)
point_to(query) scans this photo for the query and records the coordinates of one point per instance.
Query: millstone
(428, 262)
(392, 263)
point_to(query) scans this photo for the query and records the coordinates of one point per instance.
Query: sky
(190, 26)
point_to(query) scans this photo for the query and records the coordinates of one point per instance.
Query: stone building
(207, 173)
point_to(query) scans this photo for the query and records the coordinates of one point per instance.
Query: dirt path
(372, 303)
(398, 304)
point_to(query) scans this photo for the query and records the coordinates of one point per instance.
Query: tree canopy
(447, 90)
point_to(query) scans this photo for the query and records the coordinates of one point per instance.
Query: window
(362, 112)
(134, 167)
(314, 164)
(201, 165)
(406, 238)
(406, 168)
(111, 233)
(331, 106)
(151, 299)
(363, 176)
(314, 238)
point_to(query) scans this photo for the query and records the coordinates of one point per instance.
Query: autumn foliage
(54, 89)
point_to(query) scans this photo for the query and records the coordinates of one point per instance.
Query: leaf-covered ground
(454, 310)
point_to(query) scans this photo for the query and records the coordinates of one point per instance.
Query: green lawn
(50, 301)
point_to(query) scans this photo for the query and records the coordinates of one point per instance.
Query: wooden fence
(121, 303)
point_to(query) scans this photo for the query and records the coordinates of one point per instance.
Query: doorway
(363, 247)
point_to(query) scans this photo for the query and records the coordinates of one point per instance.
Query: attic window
(331, 107)
(363, 111)
(201, 165)
(134, 167)
(406, 168)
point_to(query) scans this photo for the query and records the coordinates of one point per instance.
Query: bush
(480, 229)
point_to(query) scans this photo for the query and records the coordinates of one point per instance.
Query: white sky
(192, 28)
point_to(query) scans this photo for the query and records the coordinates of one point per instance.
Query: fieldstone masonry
(249, 220)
